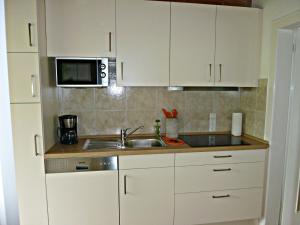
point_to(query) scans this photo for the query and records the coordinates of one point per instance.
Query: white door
(238, 35)
(143, 36)
(147, 196)
(28, 153)
(80, 28)
(21, 25)
(192, 44)
(291, 197)
(24, 82)
(83, 198)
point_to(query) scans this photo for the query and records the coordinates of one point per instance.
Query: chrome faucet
(125, 135)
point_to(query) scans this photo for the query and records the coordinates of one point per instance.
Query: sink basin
(144, 143)
(94, 144)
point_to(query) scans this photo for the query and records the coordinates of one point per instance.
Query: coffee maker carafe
(68, 129)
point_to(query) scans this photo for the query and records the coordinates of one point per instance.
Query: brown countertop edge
(75, 151)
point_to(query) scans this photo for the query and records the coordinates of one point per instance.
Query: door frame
(277, 113)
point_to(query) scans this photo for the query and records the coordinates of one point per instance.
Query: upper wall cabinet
(238, 39)
(143, 37)
(192, 44)
(21, 25)
(80, 28)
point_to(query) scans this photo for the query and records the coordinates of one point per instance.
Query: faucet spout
(124, 134)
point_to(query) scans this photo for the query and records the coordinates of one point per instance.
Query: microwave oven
(81, 72)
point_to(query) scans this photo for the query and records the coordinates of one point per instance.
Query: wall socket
(212, 122)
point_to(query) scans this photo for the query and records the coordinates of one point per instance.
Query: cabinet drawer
(221, 206)
(219, 177)
(221, 157)
(146, 161)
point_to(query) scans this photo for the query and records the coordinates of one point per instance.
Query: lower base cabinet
(219, 206)
(146, 194)
(85, 198)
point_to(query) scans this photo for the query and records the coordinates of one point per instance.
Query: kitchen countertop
(76, 150)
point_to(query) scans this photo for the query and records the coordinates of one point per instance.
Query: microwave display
(84, 72)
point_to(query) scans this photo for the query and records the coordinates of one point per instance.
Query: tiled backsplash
(253, 105)
(106, 110)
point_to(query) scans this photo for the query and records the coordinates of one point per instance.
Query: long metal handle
(29, 33)
(222, 156)
(210, 72)
(122, 68)
(220, 78)
(220, 196)
(109, 42)
(125, 185)
(221, 170)
(36, 152)
(33, 86)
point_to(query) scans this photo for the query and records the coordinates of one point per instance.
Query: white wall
(8, 195)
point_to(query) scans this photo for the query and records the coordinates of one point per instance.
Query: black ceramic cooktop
(206, 140)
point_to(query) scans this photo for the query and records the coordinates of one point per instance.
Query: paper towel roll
(236, 126)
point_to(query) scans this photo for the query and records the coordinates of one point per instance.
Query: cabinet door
(85, 198)
(21, 25)
(80, 28)
(28, 152)
(192, 44)
(24, 77)
(143, 29)
(147, 196)
(238, 35)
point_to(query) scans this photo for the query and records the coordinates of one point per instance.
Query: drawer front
(219, 177)
(220, 157)
(146, 161)
(221, 206)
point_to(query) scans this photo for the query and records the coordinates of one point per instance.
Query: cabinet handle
(220, 196)
(29, 33)
(210, 72)
(109, 41)
(36, 145)
(221, 170)
(220, 66)
(33, 86)
(222, 156)
(125, 185)
(122, 68)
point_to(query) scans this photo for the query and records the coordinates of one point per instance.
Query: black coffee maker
(67, 131)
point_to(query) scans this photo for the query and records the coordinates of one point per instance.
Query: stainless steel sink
(98, 145)
(102, 145)
(144, 143)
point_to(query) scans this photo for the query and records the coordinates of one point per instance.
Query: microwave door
(77, 72)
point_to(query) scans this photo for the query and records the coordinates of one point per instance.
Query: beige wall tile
(248, 98)
(141, 98)
(110, 122)
(248, 122)
(259, 125)
(111, 98)
(77, 99)
(261, 97)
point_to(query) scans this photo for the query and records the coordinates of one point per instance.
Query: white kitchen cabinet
(238, 35)
(143, 37)
(83, 198)
(80, 28)
(29, 160)
(220, 206)
(24, 77)
(147, 195)
(21, 25)
(192, 44)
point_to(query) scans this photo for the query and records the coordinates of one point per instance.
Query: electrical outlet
(212, 122)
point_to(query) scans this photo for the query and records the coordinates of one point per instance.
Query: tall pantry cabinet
(30, 106)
